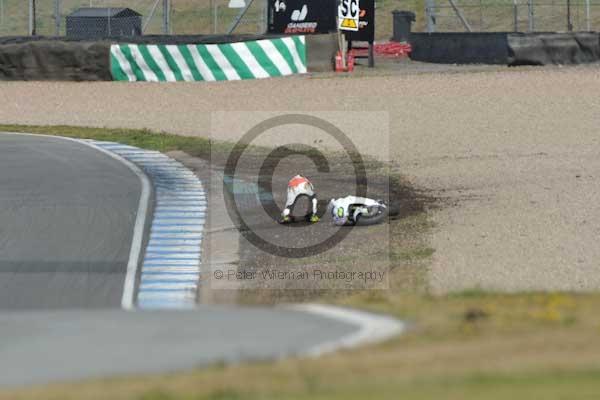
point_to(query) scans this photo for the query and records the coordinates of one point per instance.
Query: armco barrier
(209, 62)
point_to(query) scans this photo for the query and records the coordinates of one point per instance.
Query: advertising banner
(302, 16)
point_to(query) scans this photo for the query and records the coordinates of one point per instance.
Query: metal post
(57, 17)
(166, 17)
(265, 17)
(587, 16)
(569, 23)
(31, 18)
(430, 15)
(215, 18)
(531, 16)
(515, 16)
(343, 48)
(480, 15)
(211, 7)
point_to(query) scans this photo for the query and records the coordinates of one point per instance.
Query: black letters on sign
(302, 16)
(344, 7)
(353, 8)
(366, 23)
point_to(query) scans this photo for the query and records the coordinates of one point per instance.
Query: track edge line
(372, 328)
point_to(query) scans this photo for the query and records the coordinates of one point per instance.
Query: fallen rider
(349, 210)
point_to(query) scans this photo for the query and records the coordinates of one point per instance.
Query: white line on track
(179, 295)
(169, 277)
(372, 328)
(172, 269)
(166, 261)
(176, 235)
(168, 285)
(164, 248)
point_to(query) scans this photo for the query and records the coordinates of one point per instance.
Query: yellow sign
(348, 11)
(348, 23)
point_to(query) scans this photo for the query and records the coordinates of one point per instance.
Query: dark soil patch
(364, 249)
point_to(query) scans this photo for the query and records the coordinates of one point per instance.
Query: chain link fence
(216, 17)
(48, 17)
(504, 15)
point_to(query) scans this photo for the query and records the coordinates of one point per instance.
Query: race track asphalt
(54, 346)
(66, 217)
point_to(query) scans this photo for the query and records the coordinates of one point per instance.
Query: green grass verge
(142, 138)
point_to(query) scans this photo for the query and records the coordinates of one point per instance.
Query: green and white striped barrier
(209, 62)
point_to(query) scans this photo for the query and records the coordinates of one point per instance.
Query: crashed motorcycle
(359, 211)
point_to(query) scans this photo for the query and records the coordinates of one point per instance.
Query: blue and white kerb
(171, 268)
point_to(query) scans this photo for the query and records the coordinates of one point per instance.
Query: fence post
(587, 16)
(57, 17)
(215, 18)
(430, 15)
(515, 16)
(211, 17)
(166, 17)
(265, 17)
(31, 29)
(481, 28)
(569, 23)
(531, 16)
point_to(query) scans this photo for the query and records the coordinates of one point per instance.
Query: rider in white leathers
(299, 186)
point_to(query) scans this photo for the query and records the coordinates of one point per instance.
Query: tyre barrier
(54, 60)
(553, 48)
(505, 48)
(157, 58)
(460, 48)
